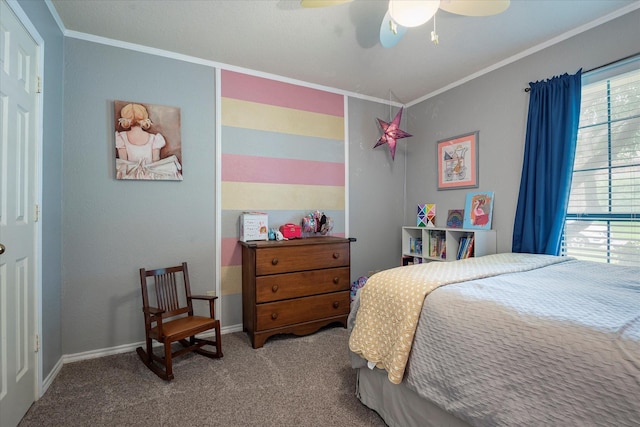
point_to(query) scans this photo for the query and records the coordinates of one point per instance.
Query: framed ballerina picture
(147, 141)
(478, 210)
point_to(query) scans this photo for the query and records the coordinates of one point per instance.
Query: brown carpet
(291, 381)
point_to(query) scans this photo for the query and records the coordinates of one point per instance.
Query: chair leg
(150, 349)
(217, 344)
(157, 363)
(168, 363)
(151, 361)
(218, 340)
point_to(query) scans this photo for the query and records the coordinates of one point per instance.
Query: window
(603, 217)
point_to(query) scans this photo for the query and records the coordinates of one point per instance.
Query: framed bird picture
(478, 210)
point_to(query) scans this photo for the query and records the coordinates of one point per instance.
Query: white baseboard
(125, 348)
(52, 376)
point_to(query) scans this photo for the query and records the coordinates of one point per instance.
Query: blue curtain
(550, 146)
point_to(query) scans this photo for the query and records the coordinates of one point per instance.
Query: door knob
(2, 248)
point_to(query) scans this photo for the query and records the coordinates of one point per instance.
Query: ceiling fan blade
(390, 32)
(474, 7)
(321, 3)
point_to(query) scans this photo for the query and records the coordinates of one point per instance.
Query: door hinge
(36, 214)
(37, 343)
(38, 84)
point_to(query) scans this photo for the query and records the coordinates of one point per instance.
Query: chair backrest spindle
(166, 291)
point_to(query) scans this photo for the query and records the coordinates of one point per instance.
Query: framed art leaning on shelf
(478, 210)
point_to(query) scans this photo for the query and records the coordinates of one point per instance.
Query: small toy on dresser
(275, 234)
(291, 231)
(317, 222)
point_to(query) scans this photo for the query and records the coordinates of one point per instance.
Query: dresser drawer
(293, 285)
(289, 312)
(285, 259)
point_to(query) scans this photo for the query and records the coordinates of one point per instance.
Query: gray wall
(46, 26)
(496, 105)
(376, 189)
(111, 228)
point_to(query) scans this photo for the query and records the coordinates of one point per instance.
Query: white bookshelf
(484, 242)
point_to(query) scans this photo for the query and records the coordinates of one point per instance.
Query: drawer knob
(274, 261)
(336, 280)
(336, 304)
(336, 255)
(274, 288)
(274, 316)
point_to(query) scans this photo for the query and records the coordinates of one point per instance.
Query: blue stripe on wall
(273, 144)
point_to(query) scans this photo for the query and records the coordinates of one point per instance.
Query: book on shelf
(469, 253)
(460, 248)
(465, 248)
(415, 245)
(437, 244)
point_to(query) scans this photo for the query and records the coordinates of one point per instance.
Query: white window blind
(603, 217)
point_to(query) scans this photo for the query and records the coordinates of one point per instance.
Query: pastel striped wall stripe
(231, 251)
(272, 92)
(260, 197)
(281, 171)
(246, 114)
(231, 279)
(253, 142)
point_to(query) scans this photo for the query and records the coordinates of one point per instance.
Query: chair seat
(183, 327)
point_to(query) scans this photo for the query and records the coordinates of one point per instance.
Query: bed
(500, 340)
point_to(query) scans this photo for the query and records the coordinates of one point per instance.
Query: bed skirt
(398, 405)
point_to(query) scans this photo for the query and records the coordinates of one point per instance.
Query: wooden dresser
(294, 286)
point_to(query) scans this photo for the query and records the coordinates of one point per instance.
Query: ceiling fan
(403, 14)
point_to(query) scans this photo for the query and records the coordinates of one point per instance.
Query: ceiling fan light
(412, 13)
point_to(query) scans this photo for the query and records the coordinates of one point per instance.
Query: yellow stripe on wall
(247, 196)
(231, 280)
(253, 115)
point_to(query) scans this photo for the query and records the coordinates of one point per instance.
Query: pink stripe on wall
(231, 252)
(272, 92)
(272, 170)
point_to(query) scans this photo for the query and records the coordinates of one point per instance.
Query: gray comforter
(559, 345)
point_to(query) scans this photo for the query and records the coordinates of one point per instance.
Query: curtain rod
(528, 89)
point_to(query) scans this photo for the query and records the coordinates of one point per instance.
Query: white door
(18, 118)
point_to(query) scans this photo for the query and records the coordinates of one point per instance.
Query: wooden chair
(172, 319)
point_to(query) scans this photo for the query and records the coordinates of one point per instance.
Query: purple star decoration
(391, 133)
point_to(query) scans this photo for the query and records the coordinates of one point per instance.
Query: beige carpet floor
(291, 381)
